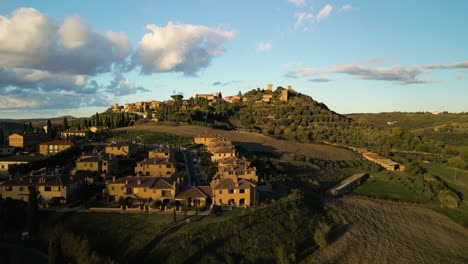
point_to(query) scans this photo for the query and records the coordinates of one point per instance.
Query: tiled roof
(195, 192)
(373, 156)
(35, 180)
(155, 161)
(57, 143)
(144, 182)
(230, 184)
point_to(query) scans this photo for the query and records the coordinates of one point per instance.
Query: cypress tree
(33, 213)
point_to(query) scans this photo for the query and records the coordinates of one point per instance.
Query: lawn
(389, 190)
(112, 234)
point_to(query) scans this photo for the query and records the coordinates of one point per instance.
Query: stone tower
(270, 87)
(284, 95)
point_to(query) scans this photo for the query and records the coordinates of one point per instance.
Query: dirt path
(386, 232)
(254, 141)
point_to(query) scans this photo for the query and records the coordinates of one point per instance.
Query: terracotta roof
(195, 192)
(35, 180)
(231, 161)
(230, 184)
(58, 143)
(373, 156)
(155, 161)
(145, 182)
(222, 150)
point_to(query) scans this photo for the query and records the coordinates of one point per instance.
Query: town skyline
(61, 59)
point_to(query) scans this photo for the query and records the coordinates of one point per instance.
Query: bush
(320, 235)
(449, 199)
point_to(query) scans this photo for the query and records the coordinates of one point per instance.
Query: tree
(31, 128)
(65, 124)
(174, 215)
(49, 128)
(2, 137)
(33, 213)
(55, 251)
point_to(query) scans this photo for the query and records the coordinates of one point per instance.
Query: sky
(80, 57)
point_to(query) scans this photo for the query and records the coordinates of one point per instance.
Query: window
(8, 188)
(3, 166)
(21, 189)
(220, 191)
(242, 191)
(144, 190)
(220, 201)
(231, 191)
(112, 188)
(47, 189)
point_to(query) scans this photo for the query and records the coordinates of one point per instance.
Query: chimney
(289, 87)
(113, 178)
(139, 182)
(126, 181)
(236, 182)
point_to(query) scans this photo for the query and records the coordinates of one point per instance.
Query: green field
(149, 137)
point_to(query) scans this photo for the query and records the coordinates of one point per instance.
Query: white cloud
(320, 80)
(303, 72)
(30, 39)
(346, 8)
(264, 46)
(298, 2)
(456, 65)
(122, 86)
(399, 74)
(303, 19)
(324, 13)
(379, 60)
(180, 47)
(11, 102)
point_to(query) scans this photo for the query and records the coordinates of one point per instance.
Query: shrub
(320, 235)
(449, 199)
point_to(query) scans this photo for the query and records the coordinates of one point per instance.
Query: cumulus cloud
(401, 75)
(303, 72)
(11, 102)
(120, 86)
(324, 13)
(180, 48)
(30, 39)
(320, 80)
(264, 46)
(298, 2)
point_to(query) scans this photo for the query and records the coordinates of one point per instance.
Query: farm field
(254, 142)
(379, 231)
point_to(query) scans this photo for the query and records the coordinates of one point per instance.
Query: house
(347, 184)
(206, 139)
(120, 149)
(54, 147)
(386, 163)
(50, 189)
(99, 129)
(6, 150)
(235, 167)
(4, 165)
(72, 134)
(162, 152)
(209, 97)
(234, 192)
(102, 164)
(141, 188)
(200, 196)
(155, 167)
(220, 153)
(25, 139)
(232, 98)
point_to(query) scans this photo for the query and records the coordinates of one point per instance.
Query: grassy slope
(384, 232)
(252, 141)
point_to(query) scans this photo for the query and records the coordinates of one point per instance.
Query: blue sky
(79, 57)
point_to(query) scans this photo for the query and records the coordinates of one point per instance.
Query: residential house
(120, 149)
(236, 167)
(232, 98)
(155, 167)
(200, 196)
(222, 153)
(206, 139)
(25, 139)
(4, 165)
(101, 164)
(54, 147)
(162, 152)
(141, 188)
(50, 189)
(234, 192)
